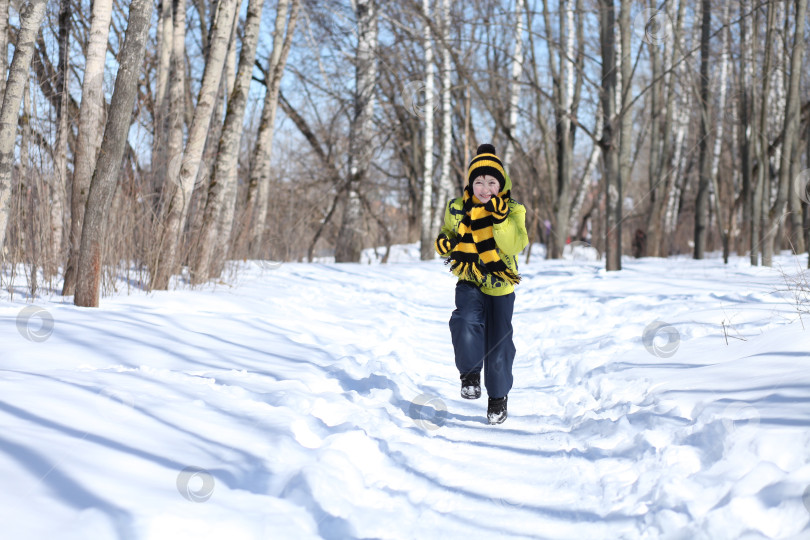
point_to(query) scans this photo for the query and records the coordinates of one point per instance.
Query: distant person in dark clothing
(639, 244)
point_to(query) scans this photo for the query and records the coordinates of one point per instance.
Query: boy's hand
(498, 207)
(445, 245)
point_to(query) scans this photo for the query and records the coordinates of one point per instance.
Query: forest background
(149, 140)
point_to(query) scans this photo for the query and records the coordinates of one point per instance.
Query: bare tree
(223, 179)
(446, 187)
(30, 20)
(59, 182)
(515, 75)
(178, 206)
(91, 125)
(4, 4)
(714, 194)
(349, 244)
(174, 144)
(105, 177)
(791, 129)
(701, 206)
(762, 194)
(259, 182)
(676, 168)
(426, 245)
(745, 128)
(665, 74)
(165, 44)
(610, 151)
(624, 102)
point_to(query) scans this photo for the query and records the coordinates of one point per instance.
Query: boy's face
(485, 187)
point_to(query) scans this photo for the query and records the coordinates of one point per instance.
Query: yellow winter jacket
(510, 236)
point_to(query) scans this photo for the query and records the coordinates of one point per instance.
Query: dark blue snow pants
(481, 327)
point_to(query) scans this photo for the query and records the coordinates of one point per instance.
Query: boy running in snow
(483, 232)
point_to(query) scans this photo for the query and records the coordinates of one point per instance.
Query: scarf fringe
(470, 271)
(478, 272)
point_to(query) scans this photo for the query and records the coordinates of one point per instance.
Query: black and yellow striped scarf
(476, 244)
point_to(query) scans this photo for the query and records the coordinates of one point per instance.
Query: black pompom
(486, 148)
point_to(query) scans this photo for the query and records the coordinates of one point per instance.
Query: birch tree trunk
(675, 178)
(705, 172)
(27, 239)
(610, 155)
(653, 169)
(195, 144)
(514, 83)
(447, 189)
(625, 67)
(230, 74)
(767, 234)
(714, 193)
(91, 126)
(806, 207)
(426, 241)
(791, 126)
(795, 210)
(105, 177)
(565, 142)
(552, 144)
(165, 43)
(226, 217)
(3, 46)
(661, 173)
(30, 20)
(259, 183)
(223, 179)
(350, 239)
(746, 115)
(683, 98)
(59, 183)
(174, 144)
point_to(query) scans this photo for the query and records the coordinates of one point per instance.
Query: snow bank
(668, 400)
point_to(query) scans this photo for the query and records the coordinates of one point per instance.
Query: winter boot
(471, 385)
(496, 410)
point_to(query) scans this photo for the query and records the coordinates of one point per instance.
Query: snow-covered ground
(669, 400)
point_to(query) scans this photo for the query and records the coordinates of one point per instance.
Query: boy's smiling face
(485, 187)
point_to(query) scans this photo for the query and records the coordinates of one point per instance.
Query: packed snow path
(668, 400)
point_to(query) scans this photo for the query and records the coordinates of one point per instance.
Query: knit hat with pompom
(486, 163)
